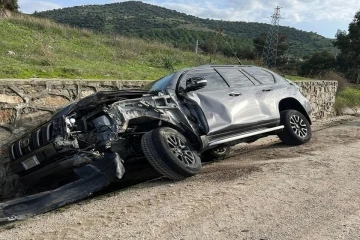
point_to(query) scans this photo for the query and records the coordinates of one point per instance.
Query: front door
(225, 109)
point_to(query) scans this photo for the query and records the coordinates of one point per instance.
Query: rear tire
(170, 153)
(218, 153)
(297, 129)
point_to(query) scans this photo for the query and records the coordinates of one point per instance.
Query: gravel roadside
(266, 190)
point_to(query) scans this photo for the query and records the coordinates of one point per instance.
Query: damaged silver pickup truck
(176, 120)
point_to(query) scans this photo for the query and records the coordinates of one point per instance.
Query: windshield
(159, 85)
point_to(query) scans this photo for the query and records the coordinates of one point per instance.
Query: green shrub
(349, 97)
(169, 62)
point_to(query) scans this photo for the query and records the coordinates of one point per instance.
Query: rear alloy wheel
(170, 153)
(298, 126)
(218, 153)
(297, 129)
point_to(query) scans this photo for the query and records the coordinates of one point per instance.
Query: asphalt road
(265, 191)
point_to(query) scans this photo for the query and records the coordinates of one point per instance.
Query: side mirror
(195, 83)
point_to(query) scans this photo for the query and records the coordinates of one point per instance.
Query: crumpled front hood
(98, 98)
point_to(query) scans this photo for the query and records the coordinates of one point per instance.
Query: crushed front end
(86, 146)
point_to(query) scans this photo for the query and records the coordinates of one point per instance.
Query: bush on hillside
(11, 5)
(318, 63)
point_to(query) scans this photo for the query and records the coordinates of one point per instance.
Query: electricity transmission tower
(269, 54)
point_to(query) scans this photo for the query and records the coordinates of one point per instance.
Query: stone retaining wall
(321, 95)
(27, 103)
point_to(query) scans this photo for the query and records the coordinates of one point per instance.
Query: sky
(324, 17)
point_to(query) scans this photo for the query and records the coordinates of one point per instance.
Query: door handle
(234, 94)
(267, 90)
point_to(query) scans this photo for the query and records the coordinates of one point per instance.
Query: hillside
(32, 47)
(147, 21)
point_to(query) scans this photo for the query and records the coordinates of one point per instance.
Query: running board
(218, 142)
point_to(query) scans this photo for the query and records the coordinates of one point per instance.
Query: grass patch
(295, 78)
(349, 97)
(44, 49)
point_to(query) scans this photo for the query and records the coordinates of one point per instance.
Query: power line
(218, 35)
(269, 54)
(232, 50)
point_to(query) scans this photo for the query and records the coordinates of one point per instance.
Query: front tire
(297, 129)
(170, 153)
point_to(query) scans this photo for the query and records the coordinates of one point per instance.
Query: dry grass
(46, 49)
(333, 75)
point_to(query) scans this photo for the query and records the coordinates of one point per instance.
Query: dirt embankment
(265, 191)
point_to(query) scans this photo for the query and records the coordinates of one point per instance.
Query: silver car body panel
(257, 104)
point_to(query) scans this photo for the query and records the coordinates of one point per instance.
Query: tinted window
(235, 78)
(260, 74)
(214, 80)
(159, 85)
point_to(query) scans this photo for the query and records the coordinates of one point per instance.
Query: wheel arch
(292, 103)
(151, 123)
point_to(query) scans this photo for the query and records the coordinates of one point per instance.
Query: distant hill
(137, 19)
(40, 48)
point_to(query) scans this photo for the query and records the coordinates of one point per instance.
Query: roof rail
(225, 66)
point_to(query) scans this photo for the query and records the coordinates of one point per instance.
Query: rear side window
(260, 74)
(235, 78)
(214, 80)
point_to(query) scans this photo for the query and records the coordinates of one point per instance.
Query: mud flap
(92, 178)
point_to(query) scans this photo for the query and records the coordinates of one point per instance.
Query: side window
(260, 74)
(214, 80)
(235, 78)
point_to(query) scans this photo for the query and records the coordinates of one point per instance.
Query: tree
(349, 44)
(259, 44)
(317, 63)
(11, 5)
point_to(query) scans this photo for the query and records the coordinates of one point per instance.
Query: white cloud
(322, 16)
(260, 10)
(30, 6)
(226, 10)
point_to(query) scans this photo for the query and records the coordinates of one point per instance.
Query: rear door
(267, 92)
(251, 112)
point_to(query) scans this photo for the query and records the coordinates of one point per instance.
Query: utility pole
(269, 54)
(196, 46)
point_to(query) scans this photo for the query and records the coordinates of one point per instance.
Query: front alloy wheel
(170, 153)
(180, 150)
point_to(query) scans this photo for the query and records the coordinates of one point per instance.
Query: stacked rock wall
(321, 95)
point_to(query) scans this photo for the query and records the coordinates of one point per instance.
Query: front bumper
(91, 178)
